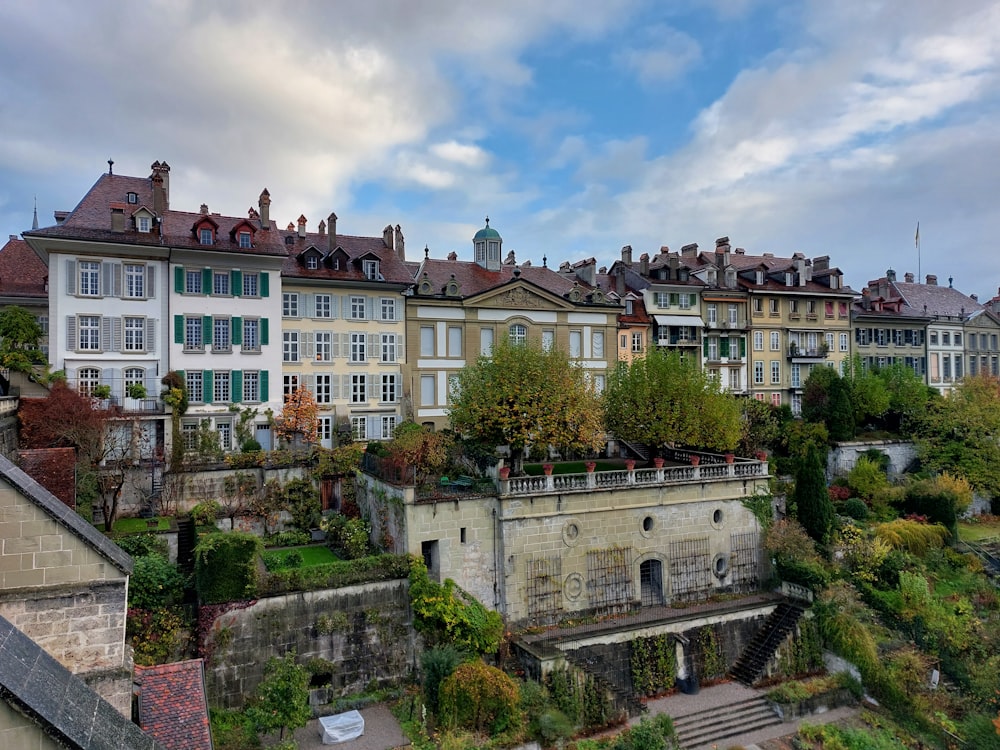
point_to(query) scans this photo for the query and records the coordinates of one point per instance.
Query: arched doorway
(651, 583)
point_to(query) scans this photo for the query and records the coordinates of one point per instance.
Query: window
(793, 308)
(290, 346)
(713, 313)
(843, 342)
(323, 389)
(758, 341)
(133, 376)
(628, 307)
(90, 333)
(829, 342)
(713, 348)
(758, 306)
(224, 429)
(548, 339)
(220, 387)
(220, 283)
(427, 388)
(945, 338)
(192, 282)
(323, 307)
(518, 334)
(192, 333)
(636, 341)
(388, 305)
(135, 329)
(88, 378)
(359, 389)
(734, 379)
(390, 388)
(811, 307)
(132, 197)
(775, 372)
(946, 362)
(775, 341)
(290, 304)
(796, 376)
(359, 428)
(312, 262)
(775, 399)
(370, 268)
(958, 338)
(251, 284)
(251, 335)
(388, 347)
(388, 426)
(324, 346)
(972, 365)
(205, 236)
(933, 338)
(193, 381)
(828, 309)
(685, 301)
(662, 299)
(758, 373)
(358, 342)
(772, 306)
(244, 238)
(135, 280)
(597, 344)
(251, 385)
(426, 341)
(486, 341)
(90, 272)
(575, 344)
(221, 339)
(623, 341)
(189, 432)
(290, 384)
(600, 382)
(358, 308)
(454, 341)
(734, 315)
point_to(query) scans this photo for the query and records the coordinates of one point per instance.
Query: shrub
(335, 575)
(912, 536)
(479, 697)
(854, 508)
(226, 567)
(154, 634)
(205, 513)
(290, 538)
(282, 698)
(155, 583)
(438, 664)
(867, 478)
(444, 613)
(140, 545)
(649, 734)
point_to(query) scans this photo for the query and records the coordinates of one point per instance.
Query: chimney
(866, 299)
(908, 277)
(452, 255)
(690, 251)
(882, 286)
(387, 236)
(931, 280)
(740, 251)
(644, 264)
(203, 210)
(264, 204)
(801, 269)
(321, 229)
(620, 279)
(627, 256)
(400, 243)
(974, 297)
(161, 170)
(117, 217)
(302, 225)
(674, 262)
(331, 240)
(722, 251)
(60, 216)
(587, 271)
(159, 194)
(822, 263)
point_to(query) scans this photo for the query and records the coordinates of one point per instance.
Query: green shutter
(263, 385)
(743, 348)
(178, 329)
(206, 386)
(206, 281)
(265, 286)
(236, 331)
(206, 329)
(178, 279)
(263, 332)
(724, 347)
(674, 298)
(704, 345)
(236, 386)
(693, 300)
(236, 283)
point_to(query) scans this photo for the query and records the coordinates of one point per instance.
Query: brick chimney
(331, 225)
(321, 229)
(690, 251)
(387, 236)
(644, 264)
(117, 217)
(822, 263)
(161, 170)
(264, 204)
(159, 193)
(302, 225)
(400, 243)
(627, 256)
(931, 280)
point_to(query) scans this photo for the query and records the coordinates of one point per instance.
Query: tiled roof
(172, 705)
(473, 279)
(393, 270)
(64, 707)
(63, 515)
(937, 300)
(22, 272)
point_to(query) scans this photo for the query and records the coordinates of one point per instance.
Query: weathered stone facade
(844, 455)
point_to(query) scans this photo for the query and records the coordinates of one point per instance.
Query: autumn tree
(759, 426)
(423, 449)
(298, 422)
(909, 395)
(663, 399)
(523, 395)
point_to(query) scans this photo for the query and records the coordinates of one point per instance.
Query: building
(672, 297)
(459, 309)
(343, 330)
(887, 330)
(24, 281)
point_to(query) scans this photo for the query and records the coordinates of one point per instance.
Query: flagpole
(916, 241)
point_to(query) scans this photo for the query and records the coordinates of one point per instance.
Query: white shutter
(106, 340)
(334, 387)
(345, 387)
(116, 334)
(309, 344)
(107, 285)
(116, 279)
(334, 306)
(71, 278)
(150, 285)
(308, 305)
(347, 306)
(374, 350)
(334, 345)
(150, 334)
(399, 347)
(375, 428)
(311, 384)
(370, 305)
(113, 376)
(72, 344)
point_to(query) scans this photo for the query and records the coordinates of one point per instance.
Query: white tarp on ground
(341, 727)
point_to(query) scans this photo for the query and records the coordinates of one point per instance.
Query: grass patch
(137, 525)
(298, 557)
(979, 530)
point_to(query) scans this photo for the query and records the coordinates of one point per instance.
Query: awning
(679, 320)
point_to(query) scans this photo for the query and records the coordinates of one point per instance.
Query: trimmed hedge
(335, 575)
(225, 567)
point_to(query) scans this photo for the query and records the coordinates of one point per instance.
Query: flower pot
(761, 455)
(547, 468)
(658, 462)
(630, 464)
(590, 465)
(504, 472)
(730, 458)
(695, 460)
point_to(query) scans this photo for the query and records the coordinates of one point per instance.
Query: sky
(577, 126)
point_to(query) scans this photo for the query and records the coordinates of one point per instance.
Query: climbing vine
(653, 663)
(713, 660)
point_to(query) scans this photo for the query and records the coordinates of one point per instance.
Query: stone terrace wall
(842, 458)
(365, 631)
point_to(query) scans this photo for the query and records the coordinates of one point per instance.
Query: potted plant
(101, 392)
(590, 466)
(547, 468)
(630, 464)
(761, 455)
(695, 460)
(658, 462)
(136, 390)
(504, 472)
(730, 457)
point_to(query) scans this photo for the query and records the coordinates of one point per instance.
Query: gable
(519, 296)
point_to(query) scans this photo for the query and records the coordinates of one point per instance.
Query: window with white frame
(775, 372)
(758, 373)
(359, 428)
(224, 429)
(772, 306)
(712, 312)
(244, 238)
(358, 308)
(844, 342)
(323, 306)
(388, 426)
(220, 387)
(548, 339)
(775, 341)
(193, 333)
(518, 334)
(189, 434)
(758, 305)
(90, 278)
(663, 299)
(142, 224)
(324, 346)
(426, 341)
(192, 282)
(324, 389)
(290, 384)
(427, 390)
(251, 284)
(795, 374)
(388, 347)
(359, 388)
(325, 429)
(251, 386)
(133, 376)
(390, 388)
(220, 283)
(205, 236)
(776, 399)
(135, 280)
(685, 301)
(221, 335)
(388, 305)
(734, 379)
(134, 330)
(370, 268)
(486, 341)
(600, 381)
(358, 347)
(290, 304)
(89, 333)
(758, 341)
(87, 379)
(734, 315)
(251, 335)
(312, 262)
(193, 379)
(454, 341)
(290, 346)
(829, 338)
(637, 341)
(713, 348)
(629, 307)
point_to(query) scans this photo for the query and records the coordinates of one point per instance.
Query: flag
(916, 237)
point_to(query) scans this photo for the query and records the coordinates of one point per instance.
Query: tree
(282, 698)
(816, 394)
(423, 449)
(760, 426)
(840, 419)
(298, 422)
(812, 501)
(908, 396)
(961, 434)
(523, 395)
(663, 399)
(869, 393)
(20, 335)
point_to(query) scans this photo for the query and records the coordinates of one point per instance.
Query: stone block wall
(364, 632)
(842, 458)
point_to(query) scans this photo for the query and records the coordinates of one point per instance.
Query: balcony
(798, 353)
(112, 395)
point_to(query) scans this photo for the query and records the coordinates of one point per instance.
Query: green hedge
(335, 575)
(225, 567)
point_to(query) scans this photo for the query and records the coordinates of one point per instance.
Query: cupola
(488, 244)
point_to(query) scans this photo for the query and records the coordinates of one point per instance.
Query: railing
(816, 352)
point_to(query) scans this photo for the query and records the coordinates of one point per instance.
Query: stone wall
(901, 453)
(364, 632)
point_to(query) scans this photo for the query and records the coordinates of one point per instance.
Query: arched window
(518, 334)
(87, 379)
(133, 376)
(651, 583)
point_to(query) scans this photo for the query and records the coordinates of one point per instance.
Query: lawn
(985, 528)
(299, 557)
(136, 525)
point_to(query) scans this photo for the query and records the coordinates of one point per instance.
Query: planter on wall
(730, 458)
(590, 466)
(630, 464)
(695, 460)
(504, 472)
(658, 462)
(547, 468)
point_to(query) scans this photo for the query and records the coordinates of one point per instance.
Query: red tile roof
(22, 272)
(172, 705)
(393, 270)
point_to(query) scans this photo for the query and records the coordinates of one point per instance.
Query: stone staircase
(638, 449)
(710, 727)
(756, 654)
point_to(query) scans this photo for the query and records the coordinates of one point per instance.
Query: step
(712, 725)
(747, 704)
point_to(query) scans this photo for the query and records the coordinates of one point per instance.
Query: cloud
(667, 55)
(461, 153)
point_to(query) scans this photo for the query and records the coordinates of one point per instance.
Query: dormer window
(760, 277)
(206, 236)
(336, 264)
(730, 278)
(711, 276)
(132, 198)
(142, 224)
(628, 307)
(312, 262)
(289, 240)
(493, 254)
(244, 240)
(371, 269)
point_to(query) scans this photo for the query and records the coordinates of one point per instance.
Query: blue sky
(578, 127)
